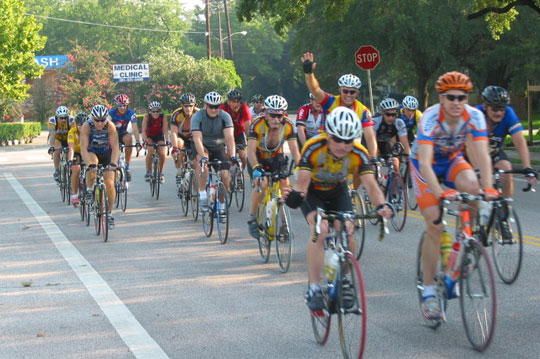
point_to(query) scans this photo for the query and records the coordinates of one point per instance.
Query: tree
(19, 36)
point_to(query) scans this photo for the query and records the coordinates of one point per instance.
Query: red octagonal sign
(367, 57)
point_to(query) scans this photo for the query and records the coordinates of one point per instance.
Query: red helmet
(121, 99)
(453, 81)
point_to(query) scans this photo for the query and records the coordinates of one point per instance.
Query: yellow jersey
(73, 137)
(259, 132)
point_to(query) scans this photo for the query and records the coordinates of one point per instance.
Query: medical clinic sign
(131, 72)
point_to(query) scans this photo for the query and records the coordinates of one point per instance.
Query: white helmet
(344, 123)
(62, 111)
(213, 98)
(349, 80)
(154, 105)
(99, 111)
(275, 102)
(410, 102)
(388, 104)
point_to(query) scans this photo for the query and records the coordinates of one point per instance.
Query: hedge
(26, 132)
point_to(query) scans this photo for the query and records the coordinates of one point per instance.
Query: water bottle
(331, 264)
(270, 214)
(485, 211)
(446, 247)
(213, 193)
(454, 260)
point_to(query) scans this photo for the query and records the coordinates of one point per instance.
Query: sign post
(367, 58)
(131, 72)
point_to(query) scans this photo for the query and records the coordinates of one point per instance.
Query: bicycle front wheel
(411, 195)
(104, 214)
(264, 240)
(158, 184)
(82, 203)
(117, 186)
(63, 182)
(240, 190)
(208, 218)
(69, 190)
(369, 207)
(222, 217)
(183, 194)
(477, 297)
(194, 194)
(352, 312)
(321, 319)
(507, 253)
(283, 237)
(359, 224)
(397, 195)
(124, 194)
(98, 197)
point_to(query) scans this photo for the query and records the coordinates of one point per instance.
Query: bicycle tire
(183, 194)
(97, 210)
(82, 203)
(207, 218)
(88, 208)
(352, 322)
(507, 257)
(222, 228)
(232, 186)
(68, 185)
(117, 186)
(479, 324)
(104, 214)
(369, 207)
(124, 194)
(321, 320)
(194, 195)
(359, 224)
(240, 191)
(263, 240)
(399, 200)
(411, 195)
(284, 237)
(158, 184)
(62, 182)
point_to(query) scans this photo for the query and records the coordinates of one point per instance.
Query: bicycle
(359, 207)
(64, 182)
(121, 184)
(352, 313)
(274, 220)
(83, 206)
(470, 278)
(237, 187)
(411, 195)
(188, 189)
(155, 177)
(215, 192)
(100, 203)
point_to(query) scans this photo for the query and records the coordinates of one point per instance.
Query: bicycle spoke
(507, 253)
(283, 237)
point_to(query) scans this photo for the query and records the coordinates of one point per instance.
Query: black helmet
(495, 95)
(187, 97)
(234, 95)
(81, 118)
(257, 98)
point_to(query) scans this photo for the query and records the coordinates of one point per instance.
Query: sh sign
(131, 72)
(52, 61)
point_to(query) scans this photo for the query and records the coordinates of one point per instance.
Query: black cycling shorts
(499, 156)
(104, 158)
(240, 141)
(336, 199)
(277, 163)
(158, 138)
(216, 153)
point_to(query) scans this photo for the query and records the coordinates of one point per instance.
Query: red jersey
(238, 118)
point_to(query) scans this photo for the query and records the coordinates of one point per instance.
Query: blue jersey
(98, 141)
(508, 126)
(121, 122)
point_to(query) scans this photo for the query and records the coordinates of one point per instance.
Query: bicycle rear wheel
(359, 224)
(397, 195)
(124, 194)
(82, 203)
(183, 194)
(222, 218)
(478, 298)
(411, 195)
(264, 240)
(104, 214)
(352, 312)
(194, 195)
(369, 207)
(240, 191)
(284, 237)
(321, 319)
(507, 254)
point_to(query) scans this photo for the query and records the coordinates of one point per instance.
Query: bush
(19, 131)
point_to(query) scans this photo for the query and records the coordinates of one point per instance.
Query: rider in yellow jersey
(181, 131)
(74, 156)
(59, 126)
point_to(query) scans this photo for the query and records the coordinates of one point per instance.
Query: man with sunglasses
(213, 134)
(121, 117)
(309, 120)
(443, 131)
(181, 131)
(349, 86)
(267, 135)
(389, 129)
(326, 161)
(241, 117)
(410, 114)
(59, 126)
(502, 121)
(257, 106)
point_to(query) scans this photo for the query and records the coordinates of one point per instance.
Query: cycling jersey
(178, 118)
(410, 123)
(61, 128)
(259, 132)
(98, 141)
(385, 132)
(509, 125)
(154, 126)
(211, 128)
(238, 118)
(330, 102)
(327, 172)
(433, 130)
(305, 118)
(73, 137)
(121, 122)
(253, 114)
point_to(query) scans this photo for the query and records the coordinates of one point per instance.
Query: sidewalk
(38, 142)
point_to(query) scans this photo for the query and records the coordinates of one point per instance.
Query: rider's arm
(71, 151)
(311, 81)
(174, 134)
(371, 140)
(404, 140)
(197, 141)
(84, 139)
(145, 126)
(228, 132)
(478, 152)
(252, 152)
(165, 126)
(301, 134)
(425, 155)
(293, 147)
(113, 138)
(247, 118)
(521, 147)
(135, 128)
(303, 181)
(372, 188)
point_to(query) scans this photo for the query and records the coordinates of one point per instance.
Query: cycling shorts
(103, 158)
(216, 153)
(158, 138)
(271, 164)
(240, 141)
(336, 199)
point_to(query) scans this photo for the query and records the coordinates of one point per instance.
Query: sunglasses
(341, 140)
(121, 105)
(155, 111)
(348, 92)
(188, 105)
(100, 120)
(63, 118)
(498, 108)
(213, 107)
(276, 115)
(391, 114)
(452, 98)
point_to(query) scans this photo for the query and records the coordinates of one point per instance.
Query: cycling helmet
(495, 95)
(349, 80)
(311, 97)
(344, 123)
(213, 98)
(453, 81)
(257, 98)
(99, 111)
(410, 102)
(121, 99)
(154, 105)
(81, 118)
(62, 111)
(276, 103)
(187, 97)
(234, 95)
(388, 104)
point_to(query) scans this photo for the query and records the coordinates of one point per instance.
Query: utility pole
(208, 40)
(218, 9)
(228, 27)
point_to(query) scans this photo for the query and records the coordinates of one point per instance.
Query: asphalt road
(160, 288)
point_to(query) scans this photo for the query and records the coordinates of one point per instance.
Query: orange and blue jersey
(259, 132)
(330, 102)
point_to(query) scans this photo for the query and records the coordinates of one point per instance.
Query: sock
(148, 172)
(221, 206)
(429, 291)
(74, 196)
(127, 166)
(314, 287)
(202, 195)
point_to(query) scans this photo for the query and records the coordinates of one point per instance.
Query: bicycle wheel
(68, 185)
(478, 298)
(153, 180)
(104, 214)
(63, 182)
(183, 194)
(117, 186)
(208, 218)
(158, 184)
(264, 241)
(397, 195)
(439, 285)
(97, 210)
(124, 194)
(232, 185)
(411, 195)
(369, 207)
(194, 194)
(240, 191)
(82, 203)
(352, 313)
(507, 254)
(321, 319)
(89, 209)
(359, 224)
(222, 216)
(284, 237)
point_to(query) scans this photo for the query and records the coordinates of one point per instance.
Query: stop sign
(367, 57)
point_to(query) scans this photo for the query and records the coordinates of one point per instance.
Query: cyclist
(74, 155)
(410, 114)
(121, 117)
(443, 130)
(309, 120)
(155, 129)
(59, 126)
(349, 86)
(181, 130)
(212, 130)
(265, 150)
(241, 117)
(99, 145)
(326, 161)
(257, 109)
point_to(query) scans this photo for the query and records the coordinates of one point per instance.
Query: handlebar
(463, 197)
(343, 216)
(137, 146)
(524, 172)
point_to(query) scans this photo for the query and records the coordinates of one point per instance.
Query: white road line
(130, 330)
